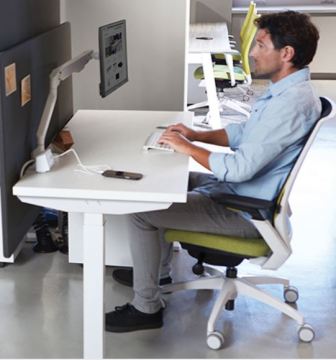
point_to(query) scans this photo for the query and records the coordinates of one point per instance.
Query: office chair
(220, 58)
(243, 79)
(269, 251)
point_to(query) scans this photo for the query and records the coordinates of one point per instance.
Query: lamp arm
(56, 77)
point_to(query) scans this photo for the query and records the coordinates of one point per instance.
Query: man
(265, 148)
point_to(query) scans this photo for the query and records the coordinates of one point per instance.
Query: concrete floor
(41, 294)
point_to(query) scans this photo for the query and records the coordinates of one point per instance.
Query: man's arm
(215, 137)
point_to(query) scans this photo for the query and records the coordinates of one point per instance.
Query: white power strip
(44, 161)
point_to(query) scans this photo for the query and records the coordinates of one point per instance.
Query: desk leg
(215, 121)
(93, 285)
(229, 62)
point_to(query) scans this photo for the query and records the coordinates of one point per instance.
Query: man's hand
(183, 130)
(181, 144)
(176, 140)
(216, 137)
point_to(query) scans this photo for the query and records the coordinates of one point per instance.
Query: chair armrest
(253, 206)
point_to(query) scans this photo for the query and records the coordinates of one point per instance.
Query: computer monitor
(112, 56)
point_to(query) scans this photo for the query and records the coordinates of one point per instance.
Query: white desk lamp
(44, 159)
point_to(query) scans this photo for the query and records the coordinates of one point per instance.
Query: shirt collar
(287, 82)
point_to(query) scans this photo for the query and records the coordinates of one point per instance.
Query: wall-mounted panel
(21, 20)
(24, 87)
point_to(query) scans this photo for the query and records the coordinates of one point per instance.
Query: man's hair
(294, 29)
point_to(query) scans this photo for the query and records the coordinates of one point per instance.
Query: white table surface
(114, 138)
(218, 42)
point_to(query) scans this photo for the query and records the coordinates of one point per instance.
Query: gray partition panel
(21, 20)
(18, 124)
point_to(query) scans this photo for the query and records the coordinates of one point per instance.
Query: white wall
(156, 36)
(210, 11)
(324, 61)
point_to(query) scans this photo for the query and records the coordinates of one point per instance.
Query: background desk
(114, 138)
(200, 51)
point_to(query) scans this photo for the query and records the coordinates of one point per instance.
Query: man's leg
(198, 214)
(124, 276)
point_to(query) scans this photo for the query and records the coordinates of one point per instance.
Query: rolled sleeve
(234, 133)
(216, 162)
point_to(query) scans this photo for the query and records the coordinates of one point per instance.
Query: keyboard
(152, 142)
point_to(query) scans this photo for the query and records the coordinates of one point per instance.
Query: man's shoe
(125, 277)
(127, 318)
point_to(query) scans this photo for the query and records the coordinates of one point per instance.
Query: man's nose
(252, 52)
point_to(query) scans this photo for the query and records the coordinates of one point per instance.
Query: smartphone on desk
(122, 174)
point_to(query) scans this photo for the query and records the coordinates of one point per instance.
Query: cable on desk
(87, 169)
(25, 167)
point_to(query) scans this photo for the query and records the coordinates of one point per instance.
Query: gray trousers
(151, 255)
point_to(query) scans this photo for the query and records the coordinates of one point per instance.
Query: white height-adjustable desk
(206, 39)
(114, 138)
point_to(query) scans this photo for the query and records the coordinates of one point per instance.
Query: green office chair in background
(242, 71)
(269, 251)
(220, 58)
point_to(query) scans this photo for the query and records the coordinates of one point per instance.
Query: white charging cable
(87, 169)
(25, 167)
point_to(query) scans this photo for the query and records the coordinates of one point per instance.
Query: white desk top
(217, 42)
(114, 138)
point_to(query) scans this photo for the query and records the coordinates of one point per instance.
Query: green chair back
(247, 20)
(247, 42)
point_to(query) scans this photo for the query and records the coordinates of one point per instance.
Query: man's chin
(260, 73)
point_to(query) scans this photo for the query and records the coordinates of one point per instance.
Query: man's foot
(125, 277)
(127, 318)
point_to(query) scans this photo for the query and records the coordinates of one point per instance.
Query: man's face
(268, 60)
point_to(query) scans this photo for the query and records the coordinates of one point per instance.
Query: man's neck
(282, 74)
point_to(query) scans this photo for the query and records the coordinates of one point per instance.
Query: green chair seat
(221, 72)
(249, 247)
(236, 58)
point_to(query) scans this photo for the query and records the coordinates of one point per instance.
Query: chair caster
(198, 269)
(306, 333)
(246, 98)
(291, 294)
(215, 340)
(2, 264)
(229, 305)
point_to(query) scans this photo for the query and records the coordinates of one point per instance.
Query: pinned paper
(10, 79)
(25, 90)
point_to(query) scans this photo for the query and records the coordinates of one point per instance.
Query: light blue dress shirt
(266, 146)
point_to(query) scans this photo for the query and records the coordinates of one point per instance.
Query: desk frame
(200, 53)
(64, 189)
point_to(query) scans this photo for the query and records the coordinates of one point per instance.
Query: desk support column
(93, 286)
(209, 78)
(229, 62)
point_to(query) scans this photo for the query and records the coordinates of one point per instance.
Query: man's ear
(288, 53)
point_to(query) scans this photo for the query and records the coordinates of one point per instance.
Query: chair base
(230, 288)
